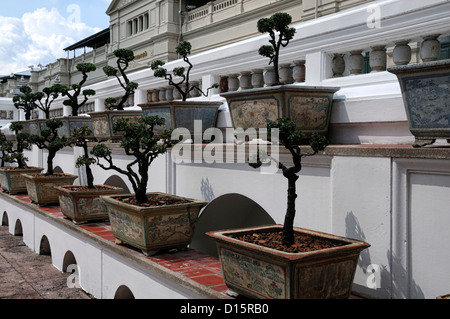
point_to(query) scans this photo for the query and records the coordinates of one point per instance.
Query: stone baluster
(155, 95)
(430, 49)
(401, 55)
(257, 78)
(338, 65)
(194, 92)
(285, 73)
(162, 94)
(245, 80)
(377, 58)
(223, 84)
(269, 76)
(356, 62)
(149, 96)
(176, 94)
(169, 93)
(233, 82)
(298, 72)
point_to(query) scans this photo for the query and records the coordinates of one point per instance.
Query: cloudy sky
(33, 32)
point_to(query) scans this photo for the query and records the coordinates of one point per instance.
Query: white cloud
(38, 37)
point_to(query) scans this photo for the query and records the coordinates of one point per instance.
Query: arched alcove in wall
(18, 228)
(58, 169)
(5, 221)
(69, 259)
(117, 181)
(227, 211)
(123, 292)
(44, 246)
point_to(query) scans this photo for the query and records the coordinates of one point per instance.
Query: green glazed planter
(41, 188)
(81, 204)
(308, 106)
(182, 114)
(70, 123)
(152, 229)
(102, 123)
(12, 181)
(259, 272)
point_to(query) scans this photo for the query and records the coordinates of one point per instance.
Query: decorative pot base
(153, 229)
(41, 189)
(82, 206)
(260, 272)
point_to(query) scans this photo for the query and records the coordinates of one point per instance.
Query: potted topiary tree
(283, 261)
(148, 221)
(76, 98)
(182, 114)
(82, 203)
(11, 178)
(26, 101)
(40, 187)
(102, 121)
(308, 106)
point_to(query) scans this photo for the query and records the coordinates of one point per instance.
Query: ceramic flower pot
(12, 181)
(152, 229)
(182, 114)
(81, 204)
(309, 107)
(102, 123)
(70, 123)
(426, 92)
(259, 272)
(40, 187)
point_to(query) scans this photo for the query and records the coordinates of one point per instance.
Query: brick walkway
(27, 275)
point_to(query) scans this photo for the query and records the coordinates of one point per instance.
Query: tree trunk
(50, 157)
(288, 229)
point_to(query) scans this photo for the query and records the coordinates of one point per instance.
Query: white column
(140, 97)
(99, 105)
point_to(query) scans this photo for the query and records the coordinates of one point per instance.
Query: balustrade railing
(354, 62)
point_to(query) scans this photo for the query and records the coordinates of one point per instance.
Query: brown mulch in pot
(303, 242)
(154, 200)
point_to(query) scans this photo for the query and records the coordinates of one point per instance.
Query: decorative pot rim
(42, 176)
(439, 65)
(351, 244)
(192, 202)
(181, 103)
(17, 169)
(114, 112)
(63, 189)
(282, 88)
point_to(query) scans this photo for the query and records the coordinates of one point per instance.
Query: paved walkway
(27, 275)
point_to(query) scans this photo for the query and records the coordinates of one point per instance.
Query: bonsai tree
(5, 147)
(78, 138)
(49, 139)
(280, 35)
(124, 57)
(72, 100)
(183, 86)
(25, 101)
(140, 141)
(47, 96)
(291, 138)
(15, 155)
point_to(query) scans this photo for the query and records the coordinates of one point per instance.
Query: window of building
(138, 24)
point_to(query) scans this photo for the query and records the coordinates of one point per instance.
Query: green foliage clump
(124, 57)
(277, 26)
(139, 141)
(183, 86)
